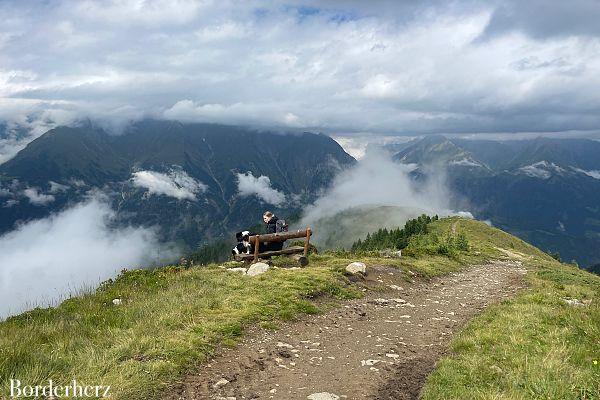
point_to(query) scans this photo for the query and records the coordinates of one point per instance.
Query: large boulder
(357, 268)
(257, 269)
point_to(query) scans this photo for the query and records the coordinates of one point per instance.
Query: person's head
(267, 216)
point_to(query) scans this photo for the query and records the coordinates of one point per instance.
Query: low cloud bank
(45, 261)
(377, 183)
(249, 185)
(176, 183)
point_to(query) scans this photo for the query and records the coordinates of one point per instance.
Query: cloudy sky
(341, 67)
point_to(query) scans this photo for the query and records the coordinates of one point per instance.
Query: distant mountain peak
(438, 150)
(542, 170)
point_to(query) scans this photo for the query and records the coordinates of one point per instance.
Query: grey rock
(220, 382)
(323, 396)
(257, 269)
(357, 268)
(577, 302)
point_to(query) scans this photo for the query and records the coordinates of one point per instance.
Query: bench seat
(287, 250)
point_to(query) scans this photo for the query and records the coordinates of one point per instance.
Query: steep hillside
(167, 322)
(64, 164)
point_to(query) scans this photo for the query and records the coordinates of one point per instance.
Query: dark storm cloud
(336, 66)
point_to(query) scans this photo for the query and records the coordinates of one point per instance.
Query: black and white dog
(244, 246)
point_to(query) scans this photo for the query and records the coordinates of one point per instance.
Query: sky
(339, 67)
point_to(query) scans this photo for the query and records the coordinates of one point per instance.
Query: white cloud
(77, 182)
(176, 183)
(36, 197)
(249, 185)
(356, 145)
(27, 119)
(223, 31)
(46, 260)
(464, 214)
(266, 114)
(377, 182)
(5, 192)
(391, 67)
(10, 202)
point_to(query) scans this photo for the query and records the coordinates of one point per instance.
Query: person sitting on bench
(273, 225)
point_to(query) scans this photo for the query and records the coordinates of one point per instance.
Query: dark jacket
(272, 225)
(272, 228)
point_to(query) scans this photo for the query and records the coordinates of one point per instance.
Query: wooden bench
(278, 237)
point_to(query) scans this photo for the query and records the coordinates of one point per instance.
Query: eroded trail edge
(382, 346)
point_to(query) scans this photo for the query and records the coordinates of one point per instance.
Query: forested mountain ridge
(200, 163)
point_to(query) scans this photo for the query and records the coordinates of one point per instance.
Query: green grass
(534, 346)
(172, 319)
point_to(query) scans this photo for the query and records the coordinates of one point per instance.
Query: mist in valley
(42, 262)
(376, 193)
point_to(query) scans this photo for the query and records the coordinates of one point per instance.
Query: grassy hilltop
(171, 320)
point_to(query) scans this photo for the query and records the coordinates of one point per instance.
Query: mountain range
(196, 182)
(201, 182)
(546, 191)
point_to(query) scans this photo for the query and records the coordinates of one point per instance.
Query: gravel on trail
(382, 346)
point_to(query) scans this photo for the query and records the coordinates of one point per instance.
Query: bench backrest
(280, 237)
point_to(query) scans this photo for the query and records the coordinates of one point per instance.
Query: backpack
(281, 226)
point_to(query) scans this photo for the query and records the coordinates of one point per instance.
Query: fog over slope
(47, 260)
(376, 192)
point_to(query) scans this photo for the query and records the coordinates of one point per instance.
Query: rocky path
(380, 347)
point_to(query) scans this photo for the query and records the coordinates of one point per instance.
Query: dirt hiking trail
(382, 346)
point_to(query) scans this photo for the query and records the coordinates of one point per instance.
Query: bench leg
(256, 248)
(307, 243)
